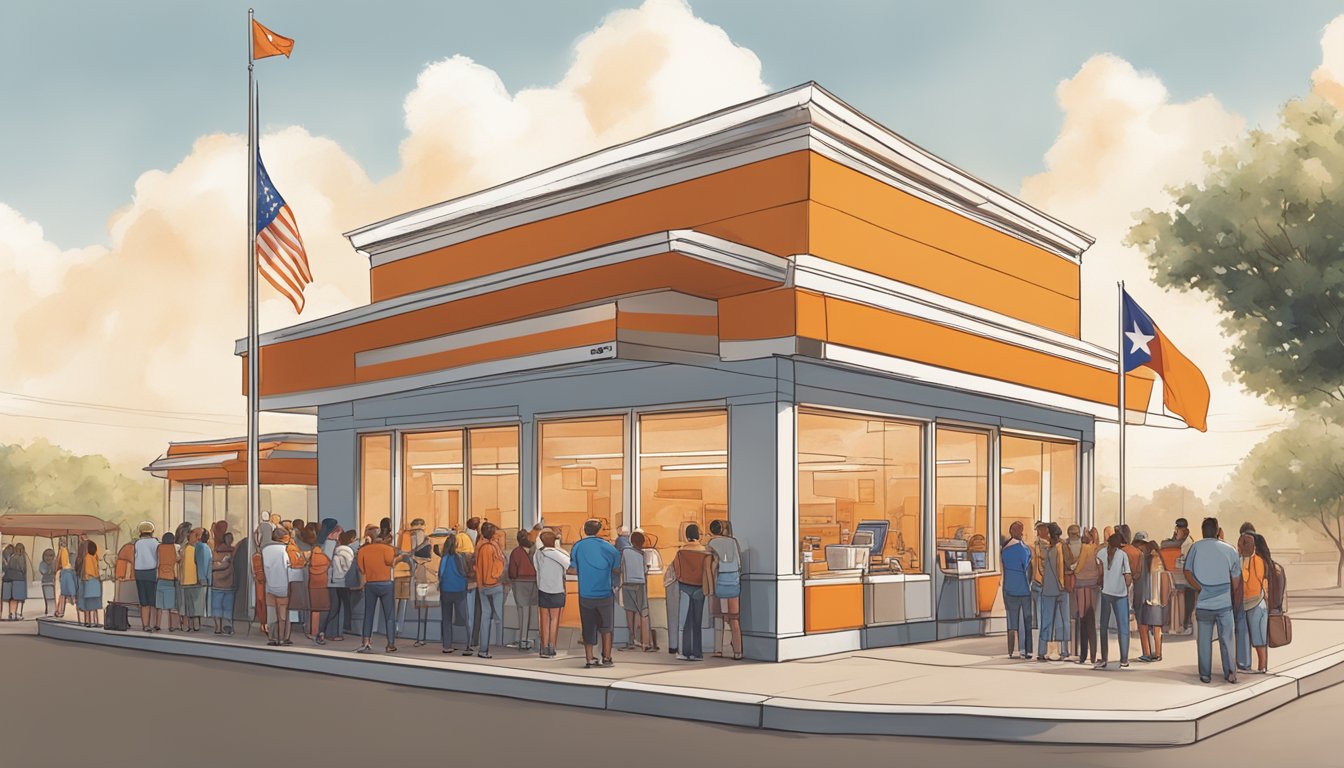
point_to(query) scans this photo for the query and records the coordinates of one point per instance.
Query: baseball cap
(1181, 523)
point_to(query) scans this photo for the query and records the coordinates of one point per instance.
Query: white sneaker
(682, 657)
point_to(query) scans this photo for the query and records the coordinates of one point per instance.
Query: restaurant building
(782, 315)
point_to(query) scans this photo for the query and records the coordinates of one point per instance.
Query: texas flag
(1185, 392)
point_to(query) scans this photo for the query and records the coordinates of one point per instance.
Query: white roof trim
(806, 116)
(968, 382)
(190, 460)
(840, 281)
(697, 245)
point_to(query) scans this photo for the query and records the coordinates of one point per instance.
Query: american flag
(280, 255)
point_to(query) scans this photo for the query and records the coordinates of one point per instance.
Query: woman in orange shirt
(165, 592)
(319, 599)
(90, 587)
(1253, 618)
(259, 538)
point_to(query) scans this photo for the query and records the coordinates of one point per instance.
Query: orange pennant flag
(267, 43)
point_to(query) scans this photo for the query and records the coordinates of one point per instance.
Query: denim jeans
(1063, 623)
(492, 614)
(1119, 606)
(473, 611)
(452, 607)
(341, 607)
(1205, 620)
(1049, 615)
(692, 604)
(1243, 639)
(1035, 605)
(376, 592)
(1018, 608)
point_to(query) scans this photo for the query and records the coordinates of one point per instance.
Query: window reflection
(581, 475)
(494, 476)
(433, 488)
(962, 497)
(1040, 482)
(375, 479)
(683, 475)
(852, 470)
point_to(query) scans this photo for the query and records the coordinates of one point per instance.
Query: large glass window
(494, 476)
(582, 475)
(962, 498)
(375, 479)
(683, 475)
(1039, 482)
(857, 471)
(432, 485)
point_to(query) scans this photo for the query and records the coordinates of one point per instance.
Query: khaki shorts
(635, 597)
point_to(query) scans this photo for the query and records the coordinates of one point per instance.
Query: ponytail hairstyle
(1114, 544)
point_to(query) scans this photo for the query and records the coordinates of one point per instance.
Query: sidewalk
(964, 689)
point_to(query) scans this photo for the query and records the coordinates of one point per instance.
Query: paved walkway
(955, 689)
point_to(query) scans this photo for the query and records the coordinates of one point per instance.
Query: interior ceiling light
(437, 466)
(691, 467)
(677, 454)
(582, 456)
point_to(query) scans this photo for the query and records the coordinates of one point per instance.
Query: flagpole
(1120, 367)
(253, 356)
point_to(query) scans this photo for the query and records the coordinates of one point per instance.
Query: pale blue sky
(96, 93)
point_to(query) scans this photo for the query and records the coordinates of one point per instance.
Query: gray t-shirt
(1050, 566)
(1215, 564)
(632, 566)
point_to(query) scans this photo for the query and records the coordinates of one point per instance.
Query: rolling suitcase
(117, 617)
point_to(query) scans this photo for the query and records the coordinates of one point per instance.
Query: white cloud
(150, 322)
(1123, 142)
(1328, 79)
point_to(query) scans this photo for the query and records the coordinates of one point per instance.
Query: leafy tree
(1299, 473)
(1263, 236)
(44, 479)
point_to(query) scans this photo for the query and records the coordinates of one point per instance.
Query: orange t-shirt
(90, 567)
(375, 561)
(167, 562)
(1253, 577)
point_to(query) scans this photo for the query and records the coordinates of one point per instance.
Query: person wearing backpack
(1253, 621)
(338, 586)
(489, 571)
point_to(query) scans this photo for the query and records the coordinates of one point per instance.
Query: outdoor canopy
(49, 526)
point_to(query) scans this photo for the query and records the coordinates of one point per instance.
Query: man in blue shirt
(1016, 560)
(594, 560)
(1213, 569)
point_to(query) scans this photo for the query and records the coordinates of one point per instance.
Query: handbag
(1280, 630)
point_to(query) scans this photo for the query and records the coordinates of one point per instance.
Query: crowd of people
(1063, 588)
(313, 575)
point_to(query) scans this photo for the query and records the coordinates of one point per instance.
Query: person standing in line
(672, 608)
(1017, 577)
(489, 569)
(1213, 568)
(375, 563)
(262, 537)
(165, 590)
(595, 561)
(452, 590)
(523, 576)
(1253, 627)
(338, 579)
(1086, 582)
(622, 538)
(551, 564)
(146, 575)
(90, 586)
(69, 581)
(1152, 593)
(695, 569)
(1051, 574)
(223, 585)
(298, 577)
(726, 607)
(47, 570)
(189, 579)
(7, 578)
(319, 596)
(1180, 537)
(1065, 629)
(1116, 578)
(473, 594)
(408, 541)
(276, 566)
(123, 574)
(635, 594)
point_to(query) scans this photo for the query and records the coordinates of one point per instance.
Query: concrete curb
(1175, 726)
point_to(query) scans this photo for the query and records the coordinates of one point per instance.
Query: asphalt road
(66, 704)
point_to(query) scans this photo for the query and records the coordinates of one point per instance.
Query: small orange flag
(267, 43)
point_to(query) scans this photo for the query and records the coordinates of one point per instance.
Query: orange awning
(284, 459)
